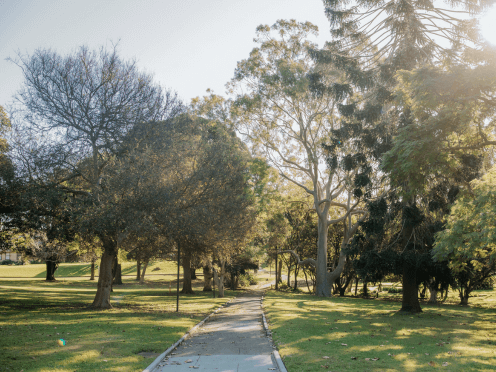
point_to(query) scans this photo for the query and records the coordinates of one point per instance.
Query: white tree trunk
(433, 294)
(221, 279)
(321, 276)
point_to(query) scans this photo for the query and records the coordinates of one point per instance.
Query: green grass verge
(35, 314)
(351, 334)
(68, 270)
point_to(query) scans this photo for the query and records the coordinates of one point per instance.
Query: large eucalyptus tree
(287, 118)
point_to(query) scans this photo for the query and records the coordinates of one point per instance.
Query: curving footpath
(231, 340)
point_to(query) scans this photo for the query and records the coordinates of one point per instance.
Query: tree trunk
(102, 297)
(296, 271)
(279, 272)
(289, 274)
(433, 295)
(118, 275)
(464, 296)
(220, 285)
(138, 268)
(322, 285)
(114, 268)
(143, 272)
(51, 266)
(410, 302)
(277, 276)
(207, 279)
(193, 274)
(422, 292)
(445, 294)
(92, 277)
(365, 289)
(186, 262)
(306, 281)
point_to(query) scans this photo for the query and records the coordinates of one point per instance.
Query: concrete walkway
(232, 340)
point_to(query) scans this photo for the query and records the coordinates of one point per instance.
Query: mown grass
(351, 334)
(68, 270)
(34, 314)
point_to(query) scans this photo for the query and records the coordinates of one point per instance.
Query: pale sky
(189, 45)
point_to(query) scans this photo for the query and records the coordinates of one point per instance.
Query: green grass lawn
(34, 314)
(352, 334)
(67, 270)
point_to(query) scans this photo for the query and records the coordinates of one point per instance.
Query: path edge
(157, 360)
(277, 357)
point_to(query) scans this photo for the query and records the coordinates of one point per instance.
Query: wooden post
(277, 286)
(178, 265)
(215, 279)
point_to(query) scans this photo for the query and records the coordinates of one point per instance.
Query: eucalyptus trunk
(321, 276)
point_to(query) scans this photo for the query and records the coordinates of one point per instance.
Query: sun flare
(488, 25)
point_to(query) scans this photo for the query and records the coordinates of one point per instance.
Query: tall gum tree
(77, 109)
(287, 123)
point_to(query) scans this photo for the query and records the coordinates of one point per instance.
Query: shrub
(487, 284)
(395, 290)
(10, 262)
(247, 279)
